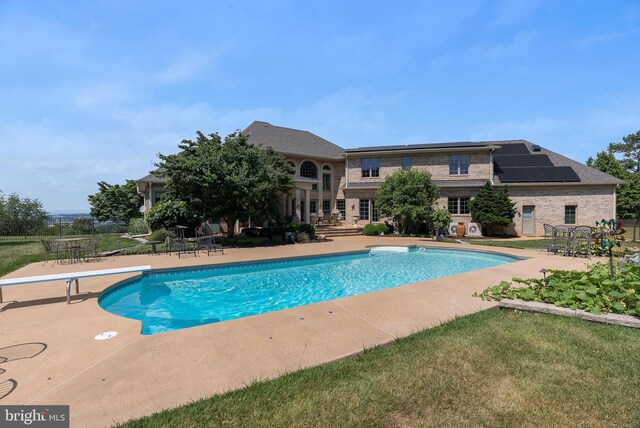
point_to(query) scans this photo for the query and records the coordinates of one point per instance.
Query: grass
(512, 243)
(494, 368)
(15, 254)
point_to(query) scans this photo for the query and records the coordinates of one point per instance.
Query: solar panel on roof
(509, 161)
(545, 174)
(512, 149)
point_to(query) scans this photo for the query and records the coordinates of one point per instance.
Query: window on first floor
(293, 206)
(314, 186)
(313, 207)
(570, 214)
(458, 164)
(341, 206)
(374, 212)
(458, 205)
(326, 207)
(364, 209)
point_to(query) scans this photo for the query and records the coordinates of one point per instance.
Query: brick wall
(436, 163)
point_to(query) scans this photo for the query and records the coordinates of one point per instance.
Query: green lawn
(511, 243)
(20, 252)
(495, 368)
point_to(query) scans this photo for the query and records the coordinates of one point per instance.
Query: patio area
(132, 375)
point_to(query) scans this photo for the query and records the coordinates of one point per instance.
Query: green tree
(606, 162)
(170, 213)
(407, 196)
(493, 207)
(627, 194)
(21, 216)
(114, 202)
(234, 180)
(630, 150)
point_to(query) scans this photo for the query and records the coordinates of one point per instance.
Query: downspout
(491, 166)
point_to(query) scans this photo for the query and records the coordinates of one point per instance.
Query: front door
(528, 225)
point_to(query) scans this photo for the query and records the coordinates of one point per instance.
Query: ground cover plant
(15, 254)
(595, 291)
(494, 368)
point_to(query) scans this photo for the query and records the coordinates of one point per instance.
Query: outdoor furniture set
(203, 240)
(569, 241)
(72, 250)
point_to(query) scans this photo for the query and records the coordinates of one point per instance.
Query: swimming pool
(182, 298)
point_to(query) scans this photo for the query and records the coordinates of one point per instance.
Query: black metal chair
(205, 240)
(56, 249)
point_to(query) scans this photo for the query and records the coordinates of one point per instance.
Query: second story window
(458, 164)
(406, 162)
(308, 170)
(371, 167)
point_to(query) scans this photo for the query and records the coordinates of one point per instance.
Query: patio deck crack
(393, 336)
(89, 367)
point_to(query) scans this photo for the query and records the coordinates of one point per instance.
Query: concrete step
(338, 231)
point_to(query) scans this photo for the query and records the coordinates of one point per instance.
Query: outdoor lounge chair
(181, 244)
(207, 241)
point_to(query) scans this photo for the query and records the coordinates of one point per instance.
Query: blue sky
(91, 91)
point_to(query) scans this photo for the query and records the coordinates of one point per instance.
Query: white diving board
(70, 277)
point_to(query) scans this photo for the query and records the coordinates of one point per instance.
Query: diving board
(70, 277)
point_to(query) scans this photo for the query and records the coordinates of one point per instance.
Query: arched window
(308, 170)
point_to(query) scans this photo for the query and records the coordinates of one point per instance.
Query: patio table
(73, 245)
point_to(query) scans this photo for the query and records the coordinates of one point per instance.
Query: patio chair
(206, 241)
(561, 239)
(56, 249)
(88, 248)
(581, 241)
(334, 219)
(549, 232)
(180, 244)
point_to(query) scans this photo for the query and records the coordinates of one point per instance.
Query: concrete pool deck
(132, 375)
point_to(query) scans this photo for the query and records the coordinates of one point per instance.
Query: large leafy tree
(21, 216)
(115, 202)
(232, 180)
(628, 194)
(407, 196)
(493, 207)
(630, 150)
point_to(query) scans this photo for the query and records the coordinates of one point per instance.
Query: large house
(546, 186)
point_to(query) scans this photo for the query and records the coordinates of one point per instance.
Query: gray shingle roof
(458, 144)
(291, 141)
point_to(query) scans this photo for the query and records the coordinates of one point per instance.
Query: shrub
(137, 226)
(594, 291)
(249, 231)
(382, 229)
(441, 219)
(308, 229)
(171, 213)
(303, 236)
(370, 229)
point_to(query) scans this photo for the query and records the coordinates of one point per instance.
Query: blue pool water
(171, 300)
